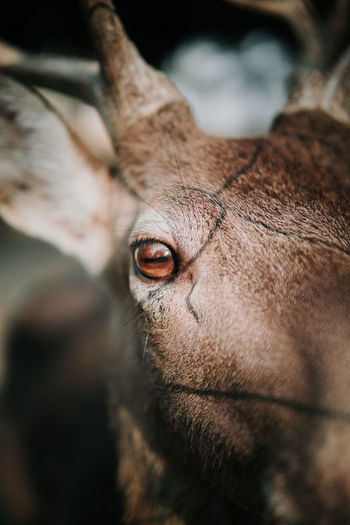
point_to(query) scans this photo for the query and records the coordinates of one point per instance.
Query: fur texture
(229, 380)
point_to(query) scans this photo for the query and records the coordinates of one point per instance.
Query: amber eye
(154, 260)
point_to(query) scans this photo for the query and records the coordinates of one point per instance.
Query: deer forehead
(179, 216)
(215, 247)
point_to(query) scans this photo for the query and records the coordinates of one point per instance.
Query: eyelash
(150, 240)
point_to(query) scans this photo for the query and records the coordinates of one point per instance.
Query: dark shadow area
(57, 451)
(155, 27)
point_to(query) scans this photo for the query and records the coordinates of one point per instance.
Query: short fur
(228, 381)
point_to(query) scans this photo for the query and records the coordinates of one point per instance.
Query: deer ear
(50, 187)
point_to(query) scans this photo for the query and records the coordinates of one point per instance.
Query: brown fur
(229, 380)
(241, 384)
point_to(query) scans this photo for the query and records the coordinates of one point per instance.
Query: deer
(228, 261)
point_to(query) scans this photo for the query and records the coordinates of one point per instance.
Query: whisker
(144, 348)
(150, 205)
(138, 196)
(177, 164)
(165, 193)
(133, 318)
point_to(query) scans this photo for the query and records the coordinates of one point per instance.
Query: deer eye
(154, 260)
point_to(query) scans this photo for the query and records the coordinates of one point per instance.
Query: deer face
(251, 296)
(238, 259)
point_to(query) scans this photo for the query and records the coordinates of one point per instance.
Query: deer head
(229, 262)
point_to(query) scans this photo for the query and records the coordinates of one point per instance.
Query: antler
(133, 89)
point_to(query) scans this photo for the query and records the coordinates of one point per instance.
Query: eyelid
(150, 240)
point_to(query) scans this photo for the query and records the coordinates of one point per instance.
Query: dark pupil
(155, 260)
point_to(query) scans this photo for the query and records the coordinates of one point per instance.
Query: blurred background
(211, 48)
(56, 449)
